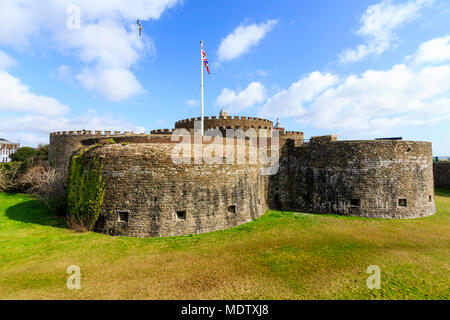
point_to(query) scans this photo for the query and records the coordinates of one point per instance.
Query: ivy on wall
(86, 190)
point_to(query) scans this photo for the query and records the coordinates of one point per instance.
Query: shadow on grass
(35, 212)
(442, 192)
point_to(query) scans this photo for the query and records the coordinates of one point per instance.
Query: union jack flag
(205, 60)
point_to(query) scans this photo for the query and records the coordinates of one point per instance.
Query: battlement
(224, 118)
(227, 119)
(106, 133)
(226, 122)
(292, 133)
(323, 139)
(224, 128)
(162, 131)
(94, 133)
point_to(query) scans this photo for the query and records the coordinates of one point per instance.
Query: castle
(148, 195)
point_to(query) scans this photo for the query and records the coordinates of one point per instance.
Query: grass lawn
(282, 255)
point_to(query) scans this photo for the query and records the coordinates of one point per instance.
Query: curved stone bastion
(147, 195)
(373, 179)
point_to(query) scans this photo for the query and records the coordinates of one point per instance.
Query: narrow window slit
(402, 202)
(123, 216)
(355, 203)
(181, 215)
(277, 202)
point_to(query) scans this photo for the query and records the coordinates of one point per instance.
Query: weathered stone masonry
(442, 174)
(64, 144)
(147, 195)
(374, 179)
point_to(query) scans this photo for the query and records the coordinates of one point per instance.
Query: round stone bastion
(372, 179)
(148, 195)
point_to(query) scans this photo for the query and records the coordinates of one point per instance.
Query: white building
(7, 148)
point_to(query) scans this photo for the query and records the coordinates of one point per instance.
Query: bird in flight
(140, 28)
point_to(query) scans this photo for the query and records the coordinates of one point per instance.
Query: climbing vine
(86, 190)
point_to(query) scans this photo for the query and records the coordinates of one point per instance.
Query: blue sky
(359, 68)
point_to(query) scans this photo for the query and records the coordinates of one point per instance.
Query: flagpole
(201, 66)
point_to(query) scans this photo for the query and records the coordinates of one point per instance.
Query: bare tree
(48, 184)
(9, 176)
(2, 181)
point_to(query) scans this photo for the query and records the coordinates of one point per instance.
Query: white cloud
(107, 44)
(16, 97)
(6, 61)
(42, 114)
(242, 39)
(35, 116)
(33, 129)
(18, 22)
(63, 73)
(115, 84)
(107, 40)
(192, 102)
(378, 25)
(375, 102)
(378, 101)
(21, 20)
(237, 101)
(433, 51)
(290, 102)
(258, 73)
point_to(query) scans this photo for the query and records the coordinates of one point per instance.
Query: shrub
(48, 184)
(107, 141)
(86, 190)
(23, 154)
(42, 152)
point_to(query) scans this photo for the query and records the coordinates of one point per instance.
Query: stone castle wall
(375, 179)
(442, 174)
(147, 195)
(64, 144)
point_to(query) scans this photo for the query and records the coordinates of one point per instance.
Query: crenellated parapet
(64, 143)
(323, 139)
(226, 122)
(84, 133)
(269, 131)
(296, 136)
(162, 131)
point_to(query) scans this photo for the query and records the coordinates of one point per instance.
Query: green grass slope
(282, 255)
